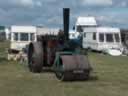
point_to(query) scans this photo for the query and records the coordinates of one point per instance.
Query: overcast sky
(49, 12)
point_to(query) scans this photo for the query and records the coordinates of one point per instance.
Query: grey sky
(49, 12)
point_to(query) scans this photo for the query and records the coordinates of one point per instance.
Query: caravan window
(79, 29)
(32, 36)
(101, 37)
(109, 38)
(117, 39)
(16, 36)
(94, 36)
(84, 35)
(24, 36)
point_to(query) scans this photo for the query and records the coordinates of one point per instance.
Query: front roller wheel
(64, 76)
(35, 57)
(70, 76)
(71, 67)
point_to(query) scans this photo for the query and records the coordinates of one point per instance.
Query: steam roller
(57, 52)
(71, 66)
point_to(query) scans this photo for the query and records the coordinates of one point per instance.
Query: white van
(102, 38)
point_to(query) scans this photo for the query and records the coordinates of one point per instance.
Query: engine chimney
(66, 15)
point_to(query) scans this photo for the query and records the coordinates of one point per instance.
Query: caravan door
(90, 40)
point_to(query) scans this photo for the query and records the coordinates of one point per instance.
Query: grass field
(111, 73)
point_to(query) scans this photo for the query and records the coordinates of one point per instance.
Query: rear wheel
(35, 57)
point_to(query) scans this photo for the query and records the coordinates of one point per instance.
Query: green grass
(111, 73)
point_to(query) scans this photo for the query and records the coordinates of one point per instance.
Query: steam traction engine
(60, 54)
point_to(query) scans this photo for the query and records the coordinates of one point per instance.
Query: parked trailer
(102, 38)
(21, 36)
(55, 51)
(82, 23)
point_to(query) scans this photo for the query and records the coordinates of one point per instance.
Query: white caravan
(46, 31)
(21, 36)
(81, 23)
(102, 38)
(85, 22)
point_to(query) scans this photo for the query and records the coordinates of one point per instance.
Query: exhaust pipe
(66, 16)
